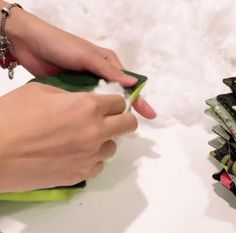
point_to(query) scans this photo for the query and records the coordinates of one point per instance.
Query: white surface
(160, 180)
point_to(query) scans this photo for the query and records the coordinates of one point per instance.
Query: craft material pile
(223, 110)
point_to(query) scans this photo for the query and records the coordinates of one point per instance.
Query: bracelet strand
(7, 61)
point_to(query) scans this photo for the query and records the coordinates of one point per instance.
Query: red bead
(8, 60)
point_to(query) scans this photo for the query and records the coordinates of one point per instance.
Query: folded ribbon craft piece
(225, 180)
(231, 83)
(73, 82)
(229, 103)
(221, 132)
(223, 111)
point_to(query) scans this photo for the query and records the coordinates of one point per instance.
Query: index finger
(108, 71)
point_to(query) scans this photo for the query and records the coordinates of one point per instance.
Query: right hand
(57, 138)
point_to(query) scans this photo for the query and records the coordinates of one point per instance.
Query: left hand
(44, 49)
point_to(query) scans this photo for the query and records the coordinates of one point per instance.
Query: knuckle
(110, 51)
(133, 122)
(95, 132)
(100, 167)
(89, 103)
(73, 180)
(93, 104)
(89, 146)
(107, 150)
(83, 173)
(113, 147)
(91, 142)
(119, 99)
(112, 54)
(122, 102)
(107, 71)
(77, 176)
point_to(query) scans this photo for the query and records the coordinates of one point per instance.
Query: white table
(160, 181)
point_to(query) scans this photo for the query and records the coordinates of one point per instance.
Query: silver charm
(11, 68)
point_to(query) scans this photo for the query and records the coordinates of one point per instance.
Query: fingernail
(152, 113)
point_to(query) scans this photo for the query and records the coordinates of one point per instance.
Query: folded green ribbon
(221, 132)
(217, 142)
(222, 116)
(73, 82)
(223, 110)
(231, 83)
(86, 82)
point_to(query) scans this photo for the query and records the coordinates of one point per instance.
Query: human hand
(57, 138)
(44, 49)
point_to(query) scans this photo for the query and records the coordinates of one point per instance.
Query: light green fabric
(217, 142)
(210, 112)
(222, 116)
(221, 132)
(41, 195)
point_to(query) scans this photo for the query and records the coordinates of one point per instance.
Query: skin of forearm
(21, 25)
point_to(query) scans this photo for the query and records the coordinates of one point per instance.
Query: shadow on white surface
(216, 208)
(197, 150)
(110, 203)
(226, 195)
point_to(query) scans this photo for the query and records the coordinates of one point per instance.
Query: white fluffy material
(105, 88)
(109, 88)
(184, 47)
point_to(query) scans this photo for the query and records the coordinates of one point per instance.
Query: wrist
(14, 24)
(17, 25)
(7, 58)
(21, 27)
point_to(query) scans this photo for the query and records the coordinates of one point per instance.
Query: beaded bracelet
(7, 61)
